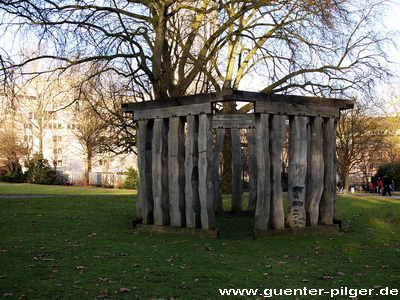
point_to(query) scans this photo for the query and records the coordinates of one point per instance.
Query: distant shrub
(40, 172)
(131, 181)
(14, 176)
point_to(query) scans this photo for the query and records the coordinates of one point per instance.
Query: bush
(14, 176)
(392, 170)
(131, 181)
(40, 172)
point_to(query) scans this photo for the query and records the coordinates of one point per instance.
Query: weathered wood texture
(251, 142)
(219, 142)
(235, 95)
(176, 180)
(263, 173)
(192, 202)
(159, 173)
(234, 121)
(179, 183)
(296, 216)
(316, 169)
(141, 149)
(326, 207)
(236, 204)
(206, 191)
(277, 138)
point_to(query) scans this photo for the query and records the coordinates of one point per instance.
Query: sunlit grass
(35, 189)
(85, 248)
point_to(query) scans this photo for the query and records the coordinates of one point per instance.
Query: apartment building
(47, 128)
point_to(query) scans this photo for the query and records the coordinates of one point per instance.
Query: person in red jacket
(371, 187)
(379, 183)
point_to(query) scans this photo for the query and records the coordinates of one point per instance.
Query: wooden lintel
(296, 109)
(234, 121)
(235, 95)
(173, 111)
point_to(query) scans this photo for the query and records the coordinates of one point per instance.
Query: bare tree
(88, 128)
(359, 138)
(180, 47)
(169, 48)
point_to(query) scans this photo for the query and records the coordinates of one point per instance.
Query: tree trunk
(346, 175)
(226, 180)
(88, 166)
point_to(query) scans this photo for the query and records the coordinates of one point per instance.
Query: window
(57, 138)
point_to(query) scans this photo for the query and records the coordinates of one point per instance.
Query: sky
(393, 23)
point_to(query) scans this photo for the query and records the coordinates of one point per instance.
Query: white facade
(53, 129)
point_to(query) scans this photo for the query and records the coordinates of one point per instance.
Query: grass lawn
(85, 248)
(35, 189)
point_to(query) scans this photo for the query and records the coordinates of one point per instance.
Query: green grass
(85, 248)
(35, 189)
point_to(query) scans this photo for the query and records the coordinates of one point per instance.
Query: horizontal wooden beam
(173, 111)
(297, 109)
(235, 95)
(234, 121)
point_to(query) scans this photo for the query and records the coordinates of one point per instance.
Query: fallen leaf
(325, 277)
(123, 290)
(92, 235)
(340, 273)
(367, 266)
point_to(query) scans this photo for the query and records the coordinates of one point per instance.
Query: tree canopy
(167, 48)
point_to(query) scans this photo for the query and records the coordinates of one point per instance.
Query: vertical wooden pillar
(141, 157)
(176, 179)
(159, 172)
(316, 184)
(296, 216)
(263, 173)
(277, 136)
(329, 192)
(206, 190)
(251, 142)
(144, 142)
(236, 171)
(219, 142)
(192, 205)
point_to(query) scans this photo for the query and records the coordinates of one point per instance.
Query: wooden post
(277, 137)
(296, 216)
(219, 142)
(263, 173)
(159, 159)
(251, 142)
(329, 192)
(176, 180)
(206, 190)
(141, 157)
(145, 137)
(192, 203)
(236, 204)
(316, 184)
